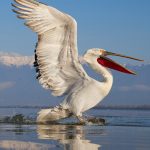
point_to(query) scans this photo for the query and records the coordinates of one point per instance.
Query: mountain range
(18, 84)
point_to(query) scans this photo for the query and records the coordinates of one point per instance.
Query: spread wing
(56, 54)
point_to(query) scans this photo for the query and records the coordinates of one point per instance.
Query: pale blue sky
(116, 25)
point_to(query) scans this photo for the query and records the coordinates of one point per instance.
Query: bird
(58, 66)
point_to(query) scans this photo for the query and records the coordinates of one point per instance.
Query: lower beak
(107, 62)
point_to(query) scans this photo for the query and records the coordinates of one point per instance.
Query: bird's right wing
(56, 54)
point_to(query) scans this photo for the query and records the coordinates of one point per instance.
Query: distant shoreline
(126, 107)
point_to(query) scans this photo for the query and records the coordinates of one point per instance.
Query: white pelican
(57, 64)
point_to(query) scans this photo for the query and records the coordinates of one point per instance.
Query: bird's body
(57, 63)
(88, 93)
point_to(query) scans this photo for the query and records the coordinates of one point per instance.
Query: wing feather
(56, 54)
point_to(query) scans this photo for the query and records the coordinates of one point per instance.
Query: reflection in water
(18, 145)
(72, 137)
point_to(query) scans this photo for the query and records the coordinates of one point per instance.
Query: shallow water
(125, 130)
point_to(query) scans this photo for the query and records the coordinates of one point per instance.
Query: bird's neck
(106, 74)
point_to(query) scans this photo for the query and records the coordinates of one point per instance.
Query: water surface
(125, 130)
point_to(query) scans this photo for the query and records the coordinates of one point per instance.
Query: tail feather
(52, 114)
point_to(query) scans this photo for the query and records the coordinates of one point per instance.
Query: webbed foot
(96, 120)
(90, 120)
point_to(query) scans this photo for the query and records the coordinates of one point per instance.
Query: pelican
(57, 63)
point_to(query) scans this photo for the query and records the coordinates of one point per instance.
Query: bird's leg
(82, 120)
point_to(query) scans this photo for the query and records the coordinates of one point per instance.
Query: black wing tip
(15, 11)
(13, 5)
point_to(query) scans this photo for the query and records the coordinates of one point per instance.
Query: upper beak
(107, 62)
(120, 55)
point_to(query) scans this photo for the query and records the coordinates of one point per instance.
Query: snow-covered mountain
(18, 84)
(9, 59)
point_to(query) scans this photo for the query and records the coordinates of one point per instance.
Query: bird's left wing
(56, 55)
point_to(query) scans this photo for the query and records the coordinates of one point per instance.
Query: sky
(121, 26)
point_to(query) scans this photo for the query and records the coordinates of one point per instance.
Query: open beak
(107, 62)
